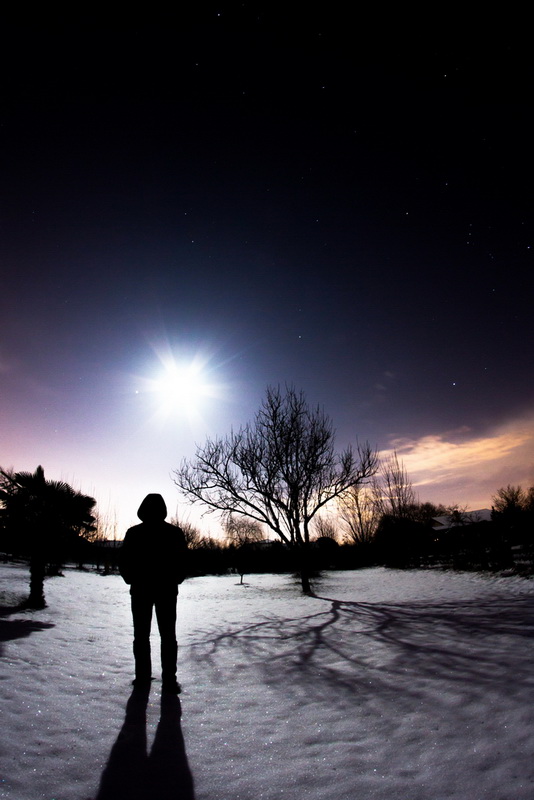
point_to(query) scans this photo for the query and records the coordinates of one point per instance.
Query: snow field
(387, 684)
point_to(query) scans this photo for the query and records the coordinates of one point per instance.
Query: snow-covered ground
(388, 684)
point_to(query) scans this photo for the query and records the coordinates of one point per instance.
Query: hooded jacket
(154, 553)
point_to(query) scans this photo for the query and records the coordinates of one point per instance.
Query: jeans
(144, 600)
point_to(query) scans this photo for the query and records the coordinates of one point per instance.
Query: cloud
(459, 467)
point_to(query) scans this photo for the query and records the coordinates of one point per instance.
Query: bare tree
(360, 515)
(510, 499)
(427, 512)
(105, 527)
(324, 528)
(193, 536)
(242, 535)
(105, 540)
(458, 515)
(279, 470)
(241, 531)
(513, 512)
(393, 491)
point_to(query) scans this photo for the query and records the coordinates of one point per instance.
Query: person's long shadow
(133, 774)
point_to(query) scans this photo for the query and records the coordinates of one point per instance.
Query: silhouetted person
(152, 560)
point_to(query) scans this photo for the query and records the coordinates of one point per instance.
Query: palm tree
(44, 516)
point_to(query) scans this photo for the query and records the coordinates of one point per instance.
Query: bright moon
(182, 388)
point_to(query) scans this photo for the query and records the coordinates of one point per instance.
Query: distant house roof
(263, 544)
(444, 521)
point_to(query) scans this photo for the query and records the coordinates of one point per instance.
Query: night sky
(340, 205)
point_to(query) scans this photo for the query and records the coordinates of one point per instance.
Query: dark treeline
(455, 540)
(423, 536)
(49, 524)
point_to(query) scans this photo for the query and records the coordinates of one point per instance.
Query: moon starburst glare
(180, 388)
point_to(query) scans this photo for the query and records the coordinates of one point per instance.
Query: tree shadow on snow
(18, 628)
(133, 774)
(393, 650)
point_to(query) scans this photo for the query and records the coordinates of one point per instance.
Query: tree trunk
(37, 575)
(304, 567)
(305, 580)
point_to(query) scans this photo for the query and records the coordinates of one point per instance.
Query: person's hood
(152, 509)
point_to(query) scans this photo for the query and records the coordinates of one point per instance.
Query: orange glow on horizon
(456, 467)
